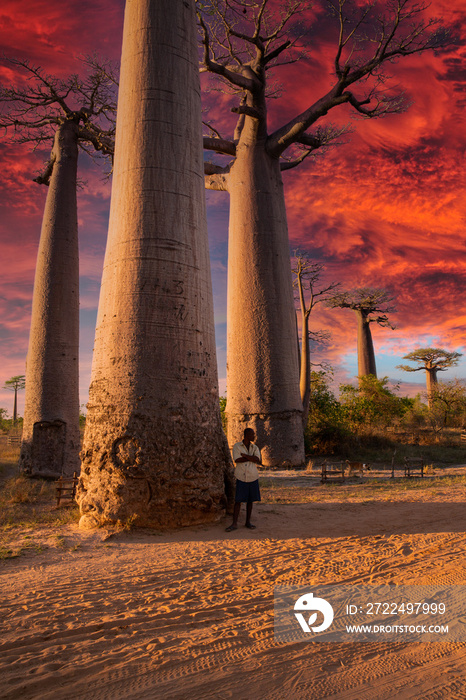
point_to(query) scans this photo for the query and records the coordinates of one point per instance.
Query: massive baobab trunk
(241, 42)
(431, 383)
(154, 449)
(262, 381)
(51, 440)
(366, 355)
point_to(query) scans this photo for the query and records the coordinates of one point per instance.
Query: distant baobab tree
(371, 306)
(432, 361)
(242, 43)
(310, 293)
(71, 114)
(154, 452)
(15, 384)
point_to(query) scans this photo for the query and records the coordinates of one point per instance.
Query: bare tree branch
(248, 111)
(368, 301)
(219, 146)
(289, 164)
(33, 113)
(212, 66)
(44, 177)
(372, 41)
(307, 281)
(213, 169)
(213, 129)
(276, 52)
(310, 293)
(319, 141)
(291, 132)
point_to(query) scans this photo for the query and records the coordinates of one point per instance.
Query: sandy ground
(190, 614)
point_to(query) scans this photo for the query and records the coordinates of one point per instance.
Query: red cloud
(385, 209)
(53, 35)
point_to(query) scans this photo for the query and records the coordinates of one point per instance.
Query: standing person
(246, 456)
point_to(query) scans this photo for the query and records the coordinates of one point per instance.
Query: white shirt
(246, 471)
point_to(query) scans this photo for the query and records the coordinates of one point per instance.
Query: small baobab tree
(370, 306)
(242, 43)
(15, 384)
(311, 292)
(432, 361)
(154, 450)
(71, 114)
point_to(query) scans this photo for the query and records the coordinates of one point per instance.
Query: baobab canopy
(370, 306)
(432, 360)
(436, 359)
(367, 210)
(242, 44)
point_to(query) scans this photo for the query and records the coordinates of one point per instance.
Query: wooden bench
(414, 467)
(14, 440)
(66, 488)
(331, 473)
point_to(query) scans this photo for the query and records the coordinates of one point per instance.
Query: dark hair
(248, 430)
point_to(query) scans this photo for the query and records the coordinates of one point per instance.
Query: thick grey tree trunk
(154, 450)
(51, 440)
(366, 354)
(431, 384)
(263, 369)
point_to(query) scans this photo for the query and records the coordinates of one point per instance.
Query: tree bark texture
(431, 383)
(366, 355)
(51, 441)
(305, 371)
(263, 369)
(304, 356)
(154, 450)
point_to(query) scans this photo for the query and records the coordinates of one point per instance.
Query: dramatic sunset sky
(385, 209)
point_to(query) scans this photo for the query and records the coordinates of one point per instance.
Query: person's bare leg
(234, 524)
(248, 515)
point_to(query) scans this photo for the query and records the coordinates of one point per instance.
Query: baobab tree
(371, 306)
(242, 43)
(310, 293)
(432, 361)
(15, 384)
(71, 114)
(154, 451)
